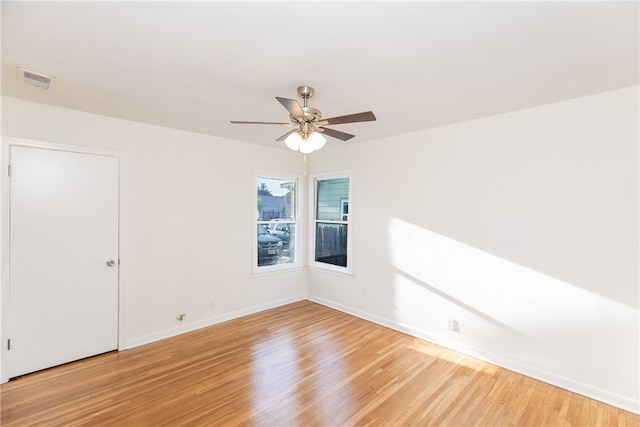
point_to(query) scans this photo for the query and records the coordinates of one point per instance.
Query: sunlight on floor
(454, 357)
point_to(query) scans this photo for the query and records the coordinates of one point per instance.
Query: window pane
(287, 233)
(276, 199)
(277, 245)
(331, 243)
(333, 199)
(276, 221)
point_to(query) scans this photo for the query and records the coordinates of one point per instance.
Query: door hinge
(9, 170)
(9, 344)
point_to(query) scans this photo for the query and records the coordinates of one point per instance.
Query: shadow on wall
(406, 277)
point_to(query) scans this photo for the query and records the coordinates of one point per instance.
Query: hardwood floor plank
(301, 364)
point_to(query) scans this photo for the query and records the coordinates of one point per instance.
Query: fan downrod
(310, 114)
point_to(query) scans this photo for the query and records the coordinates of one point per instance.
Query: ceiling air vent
(32, 78)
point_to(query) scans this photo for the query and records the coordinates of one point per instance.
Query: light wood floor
(302, 364)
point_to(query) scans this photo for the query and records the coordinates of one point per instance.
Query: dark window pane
(331, 244)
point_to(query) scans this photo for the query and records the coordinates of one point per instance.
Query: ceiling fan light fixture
(293, 141)
(305, 147)
(305, 142)
(311, 131)
(316, 140)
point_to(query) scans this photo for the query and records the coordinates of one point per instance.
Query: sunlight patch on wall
(496, 303)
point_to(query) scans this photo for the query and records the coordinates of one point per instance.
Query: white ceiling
(416, 65)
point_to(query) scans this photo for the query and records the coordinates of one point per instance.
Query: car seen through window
(269, 247)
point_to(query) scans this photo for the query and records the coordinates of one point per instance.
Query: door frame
(5, 198)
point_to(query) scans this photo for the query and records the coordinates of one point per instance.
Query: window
(277, 220)
(331, 242)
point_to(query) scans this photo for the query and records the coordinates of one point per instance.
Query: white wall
(522, 227)
(188, 215)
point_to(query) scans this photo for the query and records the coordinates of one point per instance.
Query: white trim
(188, 327)
(10, 140)
(123, 271)
(7, 143)
(270, 270)
(602, 395)
(321, 266)
(279, 268)
(4, 277)
(333, 272)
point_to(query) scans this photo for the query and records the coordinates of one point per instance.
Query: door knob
(111, 263)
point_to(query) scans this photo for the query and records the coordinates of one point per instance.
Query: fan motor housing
(310, 115)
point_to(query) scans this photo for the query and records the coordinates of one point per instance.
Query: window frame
(313, 212)
(297, 221)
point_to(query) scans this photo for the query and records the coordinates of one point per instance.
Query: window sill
(338, 273)
(271, 270)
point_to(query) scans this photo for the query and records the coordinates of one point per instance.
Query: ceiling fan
(309, 125)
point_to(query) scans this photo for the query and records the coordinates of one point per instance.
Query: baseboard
(596, 393)
(210, 321)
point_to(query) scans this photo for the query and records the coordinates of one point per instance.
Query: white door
(63, 267)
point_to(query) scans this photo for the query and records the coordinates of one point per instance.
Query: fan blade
(343, 136)
(351, 118)
(283, 137)
(292, 106)
(237, 122)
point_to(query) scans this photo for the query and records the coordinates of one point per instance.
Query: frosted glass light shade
(316, 140)
(293, 141)
(305, 147)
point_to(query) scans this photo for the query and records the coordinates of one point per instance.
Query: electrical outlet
(212, 304)
(452, 324)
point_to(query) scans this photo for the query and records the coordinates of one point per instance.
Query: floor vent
(32, 78)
